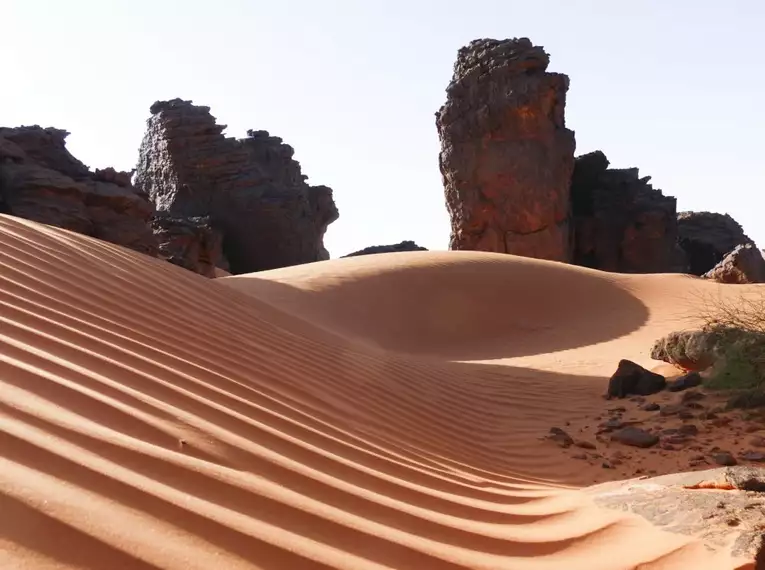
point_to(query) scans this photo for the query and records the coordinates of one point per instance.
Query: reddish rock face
(621, 223)
(251, 189)
(742, 265)
(41, 181)
(506, 155)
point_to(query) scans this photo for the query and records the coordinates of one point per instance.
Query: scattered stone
(724, 458)
(560, 437)
(671, 409)
(635, 437)
(579, 456)
(650, 407)
(685, 414)
(684, 382)
(688, 429)
(631, 378)
(585, 444)
(753, 456)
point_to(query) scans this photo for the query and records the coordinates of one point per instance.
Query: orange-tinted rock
(742, 265)
(191, 243)
(506, 155)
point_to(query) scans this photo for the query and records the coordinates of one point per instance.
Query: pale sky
(674, 87)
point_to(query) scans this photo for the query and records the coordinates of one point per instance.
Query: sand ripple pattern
(153, 419)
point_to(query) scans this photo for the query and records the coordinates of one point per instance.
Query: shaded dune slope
(152, 418)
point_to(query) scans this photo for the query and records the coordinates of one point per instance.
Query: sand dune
(364, 413)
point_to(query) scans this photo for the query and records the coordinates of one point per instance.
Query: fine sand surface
(374, 412)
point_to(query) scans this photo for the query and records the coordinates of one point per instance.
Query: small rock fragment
(635, 437)
(560, 437)
(724, 458)
(690, 380)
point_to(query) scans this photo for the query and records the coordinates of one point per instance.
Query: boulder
(689, 350)
(506, 155)
(401, 246)
(707, 238)
(632, 379)
(742, 265)
(621, 223)
(189, 242)
(251, 189)
(41, 181)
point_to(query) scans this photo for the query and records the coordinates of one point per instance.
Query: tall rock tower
(252, 191)
(506, 155)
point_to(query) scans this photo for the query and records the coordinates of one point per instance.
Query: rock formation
(506, 155)
(41, 181)
(707, 237)
(742, 265)
(251, 190)
(191, 243)
(621, 223)
(406, 245)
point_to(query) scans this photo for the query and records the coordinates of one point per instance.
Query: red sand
(372, 412)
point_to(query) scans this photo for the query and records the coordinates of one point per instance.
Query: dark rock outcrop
(191, 243)
(406, 245)
(632, 379)
(707, 238)
(251, 190)
(621, 223)
(506, 155)
(742, 265)
(41, 181)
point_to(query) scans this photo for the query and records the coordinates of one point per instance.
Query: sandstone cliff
(251, 190)
(707, 237)
(41, 181)
(621, 223)
(506, 155)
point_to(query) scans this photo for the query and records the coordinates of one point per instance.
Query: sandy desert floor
(375, 412)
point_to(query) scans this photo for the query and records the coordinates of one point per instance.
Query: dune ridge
(152, 418)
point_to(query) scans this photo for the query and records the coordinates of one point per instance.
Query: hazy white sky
(674, 87)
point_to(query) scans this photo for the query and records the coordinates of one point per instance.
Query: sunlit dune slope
(152, 418)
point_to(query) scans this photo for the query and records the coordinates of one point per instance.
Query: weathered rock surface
(689, 350)
(251, 190)
(707, 237)
(621, 223)
(191, 243)
(722, 507)
(41, 181)
(635, 437)
(506, 155)
(742, 265)
(632, 379)
(406, 245)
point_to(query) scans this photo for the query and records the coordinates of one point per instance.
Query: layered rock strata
(252, 191)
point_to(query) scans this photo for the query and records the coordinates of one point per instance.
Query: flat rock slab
(723, 507)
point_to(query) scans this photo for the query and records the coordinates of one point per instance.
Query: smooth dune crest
(365, 413)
